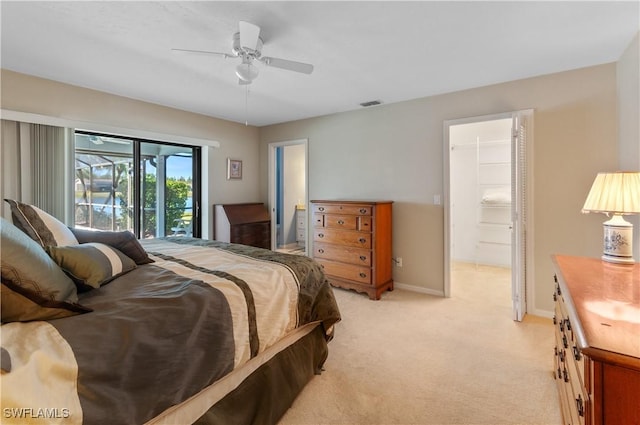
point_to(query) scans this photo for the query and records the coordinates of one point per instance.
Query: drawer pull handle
(363, 258)
(565, 375)
(321, 209)
(321, 235)
(362, 240)
(568, 323)
(341, 222)
(564, 341)
(580, 405)
(576, 353)
(555, 321)
(321, 251)
(363, 275)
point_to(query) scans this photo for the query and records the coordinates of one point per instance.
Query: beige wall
(94, 110)
(628, 72)
(395, 152)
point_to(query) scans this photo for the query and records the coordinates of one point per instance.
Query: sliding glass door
(150, 188)
(168, 190)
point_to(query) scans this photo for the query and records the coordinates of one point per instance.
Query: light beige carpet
(418, 359)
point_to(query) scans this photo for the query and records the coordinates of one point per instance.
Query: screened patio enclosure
(155, 199)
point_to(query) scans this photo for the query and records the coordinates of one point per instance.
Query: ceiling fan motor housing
(239, 50)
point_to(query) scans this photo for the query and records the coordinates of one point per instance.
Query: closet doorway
(288, 188)
(486, 212)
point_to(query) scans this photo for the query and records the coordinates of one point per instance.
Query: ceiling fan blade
(304, 68)
(203, 52)
(249, 34)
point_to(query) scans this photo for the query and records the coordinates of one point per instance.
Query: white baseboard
(419, 289)
(541, 313)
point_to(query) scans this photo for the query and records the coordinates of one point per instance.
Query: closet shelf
(493, 224)
(495, 205)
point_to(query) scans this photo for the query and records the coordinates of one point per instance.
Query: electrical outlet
(398, 261)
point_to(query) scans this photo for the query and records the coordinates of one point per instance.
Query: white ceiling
(381, 50)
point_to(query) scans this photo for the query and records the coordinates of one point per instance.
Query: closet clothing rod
(481, 144)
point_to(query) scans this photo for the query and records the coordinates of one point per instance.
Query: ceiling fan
(247, 45)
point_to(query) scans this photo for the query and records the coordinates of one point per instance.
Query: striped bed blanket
(161, 334)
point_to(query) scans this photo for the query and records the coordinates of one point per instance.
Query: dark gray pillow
(91, 265)
(33, 286)
(124, 241)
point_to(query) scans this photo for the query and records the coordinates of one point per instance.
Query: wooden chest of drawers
(597, 352)
(352, 242)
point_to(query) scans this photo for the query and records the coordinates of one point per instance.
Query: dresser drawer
(346, 271)
(350, 238)
(361, 257)
(342, 209)
(349, 222)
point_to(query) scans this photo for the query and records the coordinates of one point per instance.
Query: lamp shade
(615, 193)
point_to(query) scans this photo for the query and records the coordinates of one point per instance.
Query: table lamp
(616, 193)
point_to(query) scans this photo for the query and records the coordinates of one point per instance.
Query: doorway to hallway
(288, 182)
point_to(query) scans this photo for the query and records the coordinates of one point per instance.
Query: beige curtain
(15, 181)
(37, 167)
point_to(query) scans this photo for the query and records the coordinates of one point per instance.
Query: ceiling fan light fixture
(246, 71)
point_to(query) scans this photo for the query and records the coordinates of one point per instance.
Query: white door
(519, 135)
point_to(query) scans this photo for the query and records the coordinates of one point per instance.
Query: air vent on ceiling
(371, 103)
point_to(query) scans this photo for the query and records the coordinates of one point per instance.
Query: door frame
(272, 186)
(524, 288)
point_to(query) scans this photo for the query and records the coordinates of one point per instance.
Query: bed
(170, 330)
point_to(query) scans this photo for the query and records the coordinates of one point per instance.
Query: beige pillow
(91, 265)
(40, 226)
(17, 307)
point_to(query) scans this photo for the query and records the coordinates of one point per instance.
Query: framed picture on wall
(234, 169)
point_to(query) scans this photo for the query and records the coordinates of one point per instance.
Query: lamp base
(618, 239)
(617, 260)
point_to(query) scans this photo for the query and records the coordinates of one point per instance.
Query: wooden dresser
(352, 242)
(597, 353)
(247, 224)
